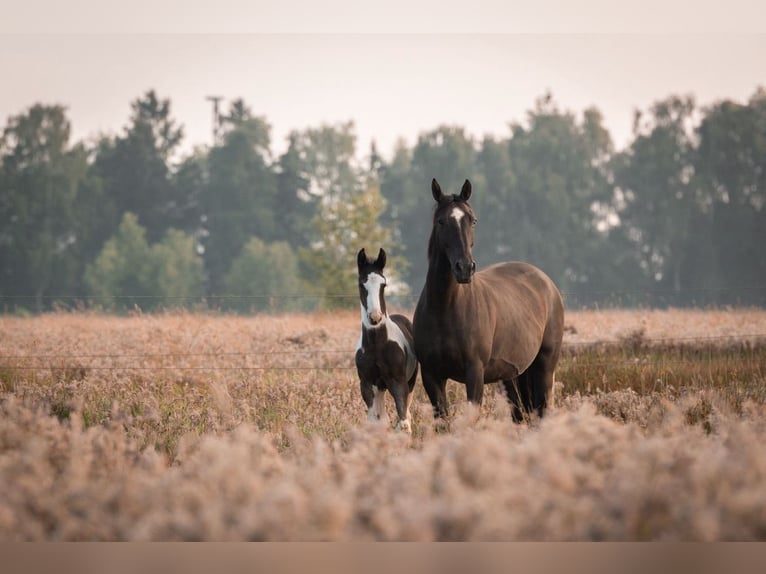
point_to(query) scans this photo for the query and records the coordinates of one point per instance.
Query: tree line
(675, 218)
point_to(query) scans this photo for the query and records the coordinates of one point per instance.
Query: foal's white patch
(395, 334)
(392, 329)
(373, 285)
(457, 214)
(377, 412)
(404, 425)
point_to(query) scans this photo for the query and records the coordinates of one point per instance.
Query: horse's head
(452, 232)
(372, 283)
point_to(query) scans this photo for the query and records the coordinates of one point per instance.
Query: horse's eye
(475, 221)
(440, 221)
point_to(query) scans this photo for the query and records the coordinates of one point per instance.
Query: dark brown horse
(385, 355)
(504, 323)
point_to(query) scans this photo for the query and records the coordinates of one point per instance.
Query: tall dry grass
(206, 427)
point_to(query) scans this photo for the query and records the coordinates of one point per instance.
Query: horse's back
(518, 282)
(527, 308)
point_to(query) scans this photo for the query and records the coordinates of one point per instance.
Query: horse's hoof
(441, 425)
(404, 426)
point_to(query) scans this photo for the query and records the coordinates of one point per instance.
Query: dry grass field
(212, 427)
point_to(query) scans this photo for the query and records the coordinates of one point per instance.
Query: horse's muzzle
(464, 271)
(375, 317)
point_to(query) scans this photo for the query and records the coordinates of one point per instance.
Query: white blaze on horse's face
(372, 310)
(457, 214)
(456, 234)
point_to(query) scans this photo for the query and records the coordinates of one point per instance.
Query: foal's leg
(368, 395)
(436, 389)
(402, 398)
(375, 399)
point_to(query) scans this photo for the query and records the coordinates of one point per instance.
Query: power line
(216, 118)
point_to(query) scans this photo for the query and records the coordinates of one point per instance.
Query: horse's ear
(361, 258)
(436, 190)
(380, 263)
(465, 193)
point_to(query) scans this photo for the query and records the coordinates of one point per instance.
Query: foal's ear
(436, 190)
(361, 258)
(380, 262)
(465, 193)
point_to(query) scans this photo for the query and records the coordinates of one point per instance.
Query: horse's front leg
(374, 397)
(436, 389)
(474, 383)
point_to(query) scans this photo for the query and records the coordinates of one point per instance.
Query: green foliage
(328, 153)
(654, 178)
(557, 181)
(130, 273)
(296, 206)
(239, 201)
(135, 168)
(41, 183)
(344, 227)
(731, 173)
(682, 207)
(122, 268)
(178, 270)
(264, 277)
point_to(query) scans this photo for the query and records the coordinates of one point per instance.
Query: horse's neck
(441, 287)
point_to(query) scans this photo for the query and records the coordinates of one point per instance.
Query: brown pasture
(187, 426)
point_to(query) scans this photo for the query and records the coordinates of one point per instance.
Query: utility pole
(216, 118)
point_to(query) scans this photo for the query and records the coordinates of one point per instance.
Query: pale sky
(390, 84)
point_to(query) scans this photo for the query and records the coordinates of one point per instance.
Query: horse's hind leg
(541, 380)
(518, 393)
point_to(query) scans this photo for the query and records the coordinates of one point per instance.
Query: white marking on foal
(373, 285)
(395, 334)
(377, 412)
(406, 423)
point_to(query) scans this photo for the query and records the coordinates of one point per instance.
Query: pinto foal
(385, 355)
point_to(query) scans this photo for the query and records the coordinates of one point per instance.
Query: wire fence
(759, 337)
(65, 367)
(10, 362)
(20, 362)
(751, 295)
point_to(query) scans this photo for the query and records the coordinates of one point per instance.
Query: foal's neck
(373, 337)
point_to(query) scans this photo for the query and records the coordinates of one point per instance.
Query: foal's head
(372, 283)
(452, 232)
